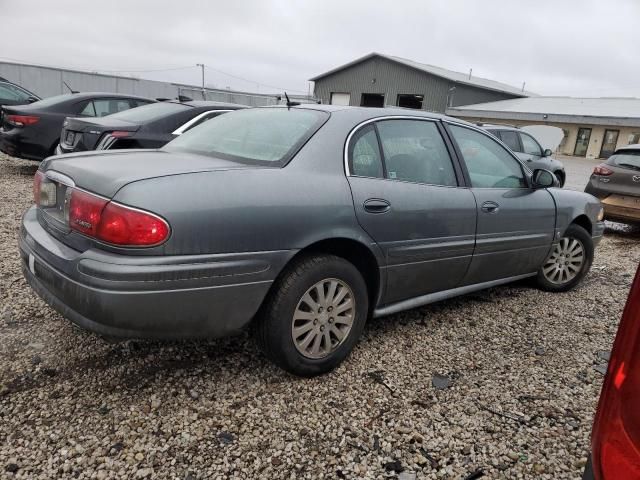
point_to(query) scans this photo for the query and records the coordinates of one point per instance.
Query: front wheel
(314, 316)
(568, 262)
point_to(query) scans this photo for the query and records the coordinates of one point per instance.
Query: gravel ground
(517, 370)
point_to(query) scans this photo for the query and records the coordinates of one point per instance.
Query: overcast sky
(568, 47)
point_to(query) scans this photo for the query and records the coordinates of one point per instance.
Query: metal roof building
(593, 127)
(377, 80)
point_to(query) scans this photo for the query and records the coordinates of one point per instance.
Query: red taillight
(126, 226)
(118, 134)
(37, 183)
(85, 212)
(602, 170)
(113, 223)
(616, 430)
(22, 120)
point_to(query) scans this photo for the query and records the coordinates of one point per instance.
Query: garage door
(340, 98)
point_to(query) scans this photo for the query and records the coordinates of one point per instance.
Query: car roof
(87, 95)
(496, 126)
(211, 104)
(366, 113)
(632, 147)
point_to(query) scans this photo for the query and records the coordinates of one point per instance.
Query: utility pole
(201, 65)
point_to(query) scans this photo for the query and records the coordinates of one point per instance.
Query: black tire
(273, 328)
(573, 232)
(560, 176)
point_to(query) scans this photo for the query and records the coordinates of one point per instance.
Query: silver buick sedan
(301, 222)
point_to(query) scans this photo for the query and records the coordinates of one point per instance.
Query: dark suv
(528, 149)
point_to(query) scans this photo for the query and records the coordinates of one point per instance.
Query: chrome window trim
(363, 124)
(60, 178)
(180, 130)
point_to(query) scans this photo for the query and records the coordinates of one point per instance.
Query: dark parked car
(149, 126)
(616, 183)
(527, 149)
(33, 131)
(615, 439)
(310, 219)
(12, 94)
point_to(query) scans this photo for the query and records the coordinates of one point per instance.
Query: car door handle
(376, 205)
(490, 207)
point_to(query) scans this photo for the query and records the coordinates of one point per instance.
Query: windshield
(260, 135)
(150, 112)
(627, 160)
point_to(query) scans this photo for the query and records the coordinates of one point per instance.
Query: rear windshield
(626, 160)
(261, 135)
(47, 102)
(148, 113)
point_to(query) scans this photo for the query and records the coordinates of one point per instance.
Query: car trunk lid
(81, 134)
(104, 173)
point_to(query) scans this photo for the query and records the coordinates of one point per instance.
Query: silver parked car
(302, 222)
(528, 150)
(616, 183)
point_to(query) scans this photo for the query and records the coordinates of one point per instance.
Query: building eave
(417, 69)
(544, 117)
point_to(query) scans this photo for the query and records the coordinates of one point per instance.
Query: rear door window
(364, 154)
(414, 151)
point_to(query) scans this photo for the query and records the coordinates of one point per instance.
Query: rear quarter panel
(256, 209)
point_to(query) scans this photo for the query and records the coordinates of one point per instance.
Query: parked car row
(150, 126)
(33, 131)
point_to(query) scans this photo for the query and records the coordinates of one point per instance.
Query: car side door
(409, 197)
(516, 223)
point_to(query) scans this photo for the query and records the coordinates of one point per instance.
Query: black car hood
(107, 172)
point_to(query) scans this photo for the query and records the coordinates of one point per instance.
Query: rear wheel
(314, 316)
(568, 262)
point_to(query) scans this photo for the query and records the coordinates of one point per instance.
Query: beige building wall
(568, 144)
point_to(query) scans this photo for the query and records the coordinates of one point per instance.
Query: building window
(634, 138)
(410, 101)
(372, 100)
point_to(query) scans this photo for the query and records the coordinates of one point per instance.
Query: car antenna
(70, 89)
(289, 102)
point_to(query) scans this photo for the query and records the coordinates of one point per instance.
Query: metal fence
(50, 81)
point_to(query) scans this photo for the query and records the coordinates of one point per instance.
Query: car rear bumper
(12, 143)
(624, 208)
(147, 297)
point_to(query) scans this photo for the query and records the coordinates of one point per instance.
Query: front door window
(609, 142)
(582, 142)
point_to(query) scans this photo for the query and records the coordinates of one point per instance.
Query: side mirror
(547, 153)
(33, 99)
(544, 179)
